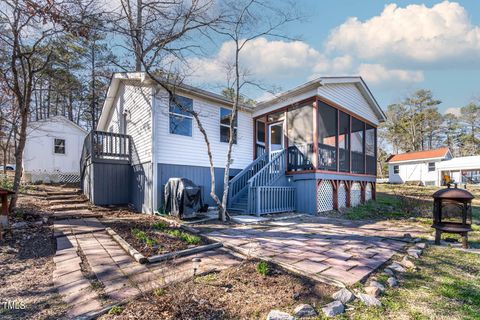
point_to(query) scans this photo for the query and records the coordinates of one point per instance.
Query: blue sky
(397, 46)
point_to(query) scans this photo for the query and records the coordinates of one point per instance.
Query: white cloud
(378, 74)
(277, 60)
(413, 33)
(455, 111)
(260, 58)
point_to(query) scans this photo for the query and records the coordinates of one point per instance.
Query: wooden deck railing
(108, 146)
(266, 177)
(272, 199)
(239, 184)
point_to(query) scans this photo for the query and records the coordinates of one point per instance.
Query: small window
(180, 117)
(431, 166)
(59, 146)
(260, 132)
(396, 169)
(225, 118)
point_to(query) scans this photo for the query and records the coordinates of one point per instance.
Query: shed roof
(440, 153)
(472, 162)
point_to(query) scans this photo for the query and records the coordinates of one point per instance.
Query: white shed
(53, 150)
(419, 166)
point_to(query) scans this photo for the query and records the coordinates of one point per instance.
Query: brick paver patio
(121, 277)
(332, 250)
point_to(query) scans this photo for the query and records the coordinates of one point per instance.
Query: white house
(310, 149)
(465, 170)
(52, 151)
(420, 166)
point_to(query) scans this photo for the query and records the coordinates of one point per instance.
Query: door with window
(275, 138)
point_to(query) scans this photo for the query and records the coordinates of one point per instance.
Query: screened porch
(319, 136)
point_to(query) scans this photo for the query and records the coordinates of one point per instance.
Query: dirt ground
(235, 293)
(125, 221)
(26, 265)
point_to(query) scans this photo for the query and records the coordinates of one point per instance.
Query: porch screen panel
(327, 137)
(344, 142)
(370, 149)
(358, 152)
(259, 137)
(300, 138)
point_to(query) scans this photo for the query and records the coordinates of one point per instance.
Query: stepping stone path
(83, 241)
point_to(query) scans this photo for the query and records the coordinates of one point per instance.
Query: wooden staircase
(255, 190)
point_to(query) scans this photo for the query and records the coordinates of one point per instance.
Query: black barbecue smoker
(452, 213)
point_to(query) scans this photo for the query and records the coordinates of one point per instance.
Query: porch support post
(335, 184)
(363, 186)
(317, 183)
(374, 190)
(315, 135)
(348, 188)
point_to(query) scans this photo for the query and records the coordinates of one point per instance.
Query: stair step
(236, 210)
(69, 207)
(64, 193)
(67, 201)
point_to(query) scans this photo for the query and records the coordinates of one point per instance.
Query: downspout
(154, 152)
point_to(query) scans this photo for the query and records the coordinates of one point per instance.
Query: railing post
(258, 200)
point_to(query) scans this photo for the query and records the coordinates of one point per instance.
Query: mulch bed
(164, 243)
(26, 271)
(235, 293)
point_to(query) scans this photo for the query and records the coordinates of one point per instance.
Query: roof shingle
(419, 155)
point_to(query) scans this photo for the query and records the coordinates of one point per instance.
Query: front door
(275, 138)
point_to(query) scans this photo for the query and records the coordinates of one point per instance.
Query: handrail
(266, 176)
(240, 182)
(272, 170)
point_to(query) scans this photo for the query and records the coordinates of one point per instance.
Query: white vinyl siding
(185, 150)
(348, 96)
(134, 100)
(411, 171)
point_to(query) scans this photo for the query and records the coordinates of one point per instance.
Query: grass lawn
(445, 286)
(447, 282)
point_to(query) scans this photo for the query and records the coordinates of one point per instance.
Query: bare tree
(245, 21)
(27, 29)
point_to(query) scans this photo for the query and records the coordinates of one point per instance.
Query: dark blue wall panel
(199, 175)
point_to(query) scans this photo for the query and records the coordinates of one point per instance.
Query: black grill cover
(183, 198)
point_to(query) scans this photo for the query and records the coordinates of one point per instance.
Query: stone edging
(182, 253)
(140, 258)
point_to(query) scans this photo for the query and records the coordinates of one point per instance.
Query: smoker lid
(453, 193)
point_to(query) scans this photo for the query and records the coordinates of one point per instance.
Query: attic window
(59, 146)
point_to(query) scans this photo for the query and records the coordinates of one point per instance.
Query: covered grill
(452, 213)
(183, 198)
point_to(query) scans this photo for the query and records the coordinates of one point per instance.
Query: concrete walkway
(331, 250)
(94, 273)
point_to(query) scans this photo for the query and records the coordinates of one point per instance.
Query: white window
(59, 146)
(225, 116)
(396, 169)
(180, 117)
(431, 166)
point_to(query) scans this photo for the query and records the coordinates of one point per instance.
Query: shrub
(185, 237)
(115, 310)
(160, 225)
(142, 237)
(263, 268)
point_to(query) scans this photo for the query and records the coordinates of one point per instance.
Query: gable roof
(440, 153)
(35, 124)
(323, 81)
(118, 77)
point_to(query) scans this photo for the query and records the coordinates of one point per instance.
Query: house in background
(52, 151)
(464, 170)
(420, 166)
(310, 149)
